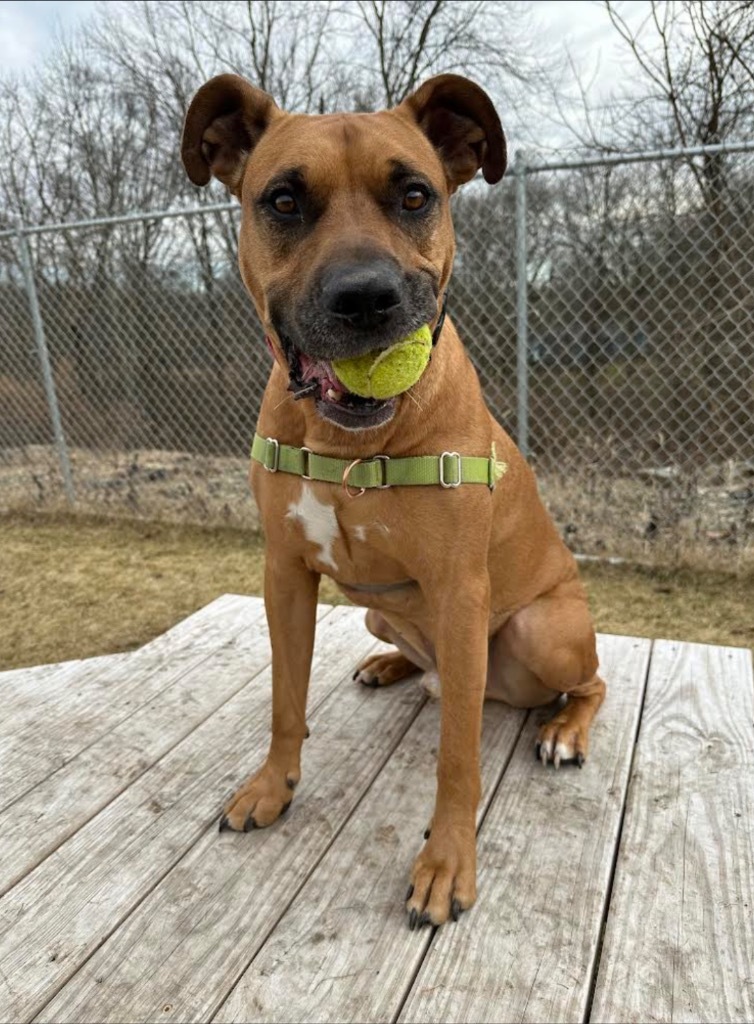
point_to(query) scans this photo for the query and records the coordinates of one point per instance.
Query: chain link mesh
(640, 355)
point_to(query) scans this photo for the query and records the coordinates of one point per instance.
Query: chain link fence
(608, 306)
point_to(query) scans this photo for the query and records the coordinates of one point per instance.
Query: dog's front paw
(260, 801)
(443, 879)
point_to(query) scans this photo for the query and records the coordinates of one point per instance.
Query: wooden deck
(623, 892)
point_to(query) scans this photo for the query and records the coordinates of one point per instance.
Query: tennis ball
(389, 371)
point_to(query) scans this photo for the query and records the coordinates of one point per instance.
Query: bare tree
(407, 40)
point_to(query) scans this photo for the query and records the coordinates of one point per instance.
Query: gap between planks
(679, 941)
(101, 771)
(60, 721)
(231, 880)
(546, 854)
(58, 915)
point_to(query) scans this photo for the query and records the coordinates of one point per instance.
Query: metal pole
(522, 310)
(44, 359)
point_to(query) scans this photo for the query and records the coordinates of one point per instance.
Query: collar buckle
(384, 459)
(272, 444)
(441, 462)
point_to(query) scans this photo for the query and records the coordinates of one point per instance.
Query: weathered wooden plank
(52, 727)
(679, 943)
(55, 918)
(26, 689)
(33, 826)
(16, 684)
(216, 907)
(343, 951)
(527, 951)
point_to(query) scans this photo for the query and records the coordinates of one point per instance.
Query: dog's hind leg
(552, 639)
(384, 669)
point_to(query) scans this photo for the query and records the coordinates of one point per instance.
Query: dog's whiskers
(416, 402)
(284, 400)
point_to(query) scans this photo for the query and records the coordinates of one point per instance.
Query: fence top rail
(522, 167)
(124, 218)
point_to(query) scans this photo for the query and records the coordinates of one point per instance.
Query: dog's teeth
(333, 395)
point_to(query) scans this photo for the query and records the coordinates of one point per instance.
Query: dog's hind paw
(384, 669)
(562, 743)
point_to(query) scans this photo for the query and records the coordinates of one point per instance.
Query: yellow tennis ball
(389, 371)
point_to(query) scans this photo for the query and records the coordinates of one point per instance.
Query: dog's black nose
(363, 294)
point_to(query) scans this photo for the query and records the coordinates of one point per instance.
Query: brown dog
(346, 246)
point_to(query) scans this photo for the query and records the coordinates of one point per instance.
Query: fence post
(44, 360)
(522, 311)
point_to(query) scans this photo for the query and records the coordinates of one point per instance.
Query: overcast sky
(28, 31)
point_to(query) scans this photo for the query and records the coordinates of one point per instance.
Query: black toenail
(413, 917)
(455, 910)
(580, 760)
(427, 833)
(249, 825)
(424, 919)
(224, 825)
(409, 894)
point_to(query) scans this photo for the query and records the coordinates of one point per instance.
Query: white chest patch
(319, 522)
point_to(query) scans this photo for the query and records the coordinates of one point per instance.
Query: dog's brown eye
(414, 199)
(284, 203)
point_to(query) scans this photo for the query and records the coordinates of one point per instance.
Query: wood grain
(26, 689)
(61, 912)
(679, 943)
(55, 723)
(527, 951)
(344, 951)
(21, 689)
(45, 816)
(212, 911)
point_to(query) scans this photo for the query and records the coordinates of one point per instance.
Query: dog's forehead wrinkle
(335, 152)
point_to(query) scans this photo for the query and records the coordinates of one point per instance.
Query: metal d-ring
(346, 471)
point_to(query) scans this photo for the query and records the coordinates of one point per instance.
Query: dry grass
(72, 587)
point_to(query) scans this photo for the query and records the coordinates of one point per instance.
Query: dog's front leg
(444, 874)
(290, 595)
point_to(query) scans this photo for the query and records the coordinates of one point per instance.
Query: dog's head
(346, 240)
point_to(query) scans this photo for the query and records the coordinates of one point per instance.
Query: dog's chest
(345, 542)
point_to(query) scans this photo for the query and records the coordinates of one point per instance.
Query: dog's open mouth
(316, 378)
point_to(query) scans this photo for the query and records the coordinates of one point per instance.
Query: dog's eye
(415, 199)
(283, 203)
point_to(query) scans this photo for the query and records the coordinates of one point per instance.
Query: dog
(420, 507)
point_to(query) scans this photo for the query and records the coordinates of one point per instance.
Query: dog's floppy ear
(460, 121)
(224, 122)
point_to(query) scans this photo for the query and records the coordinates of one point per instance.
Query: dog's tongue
(331, 390)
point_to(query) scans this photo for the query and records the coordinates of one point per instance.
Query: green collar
(447, 470)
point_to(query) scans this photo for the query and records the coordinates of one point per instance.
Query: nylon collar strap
(356, 475)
